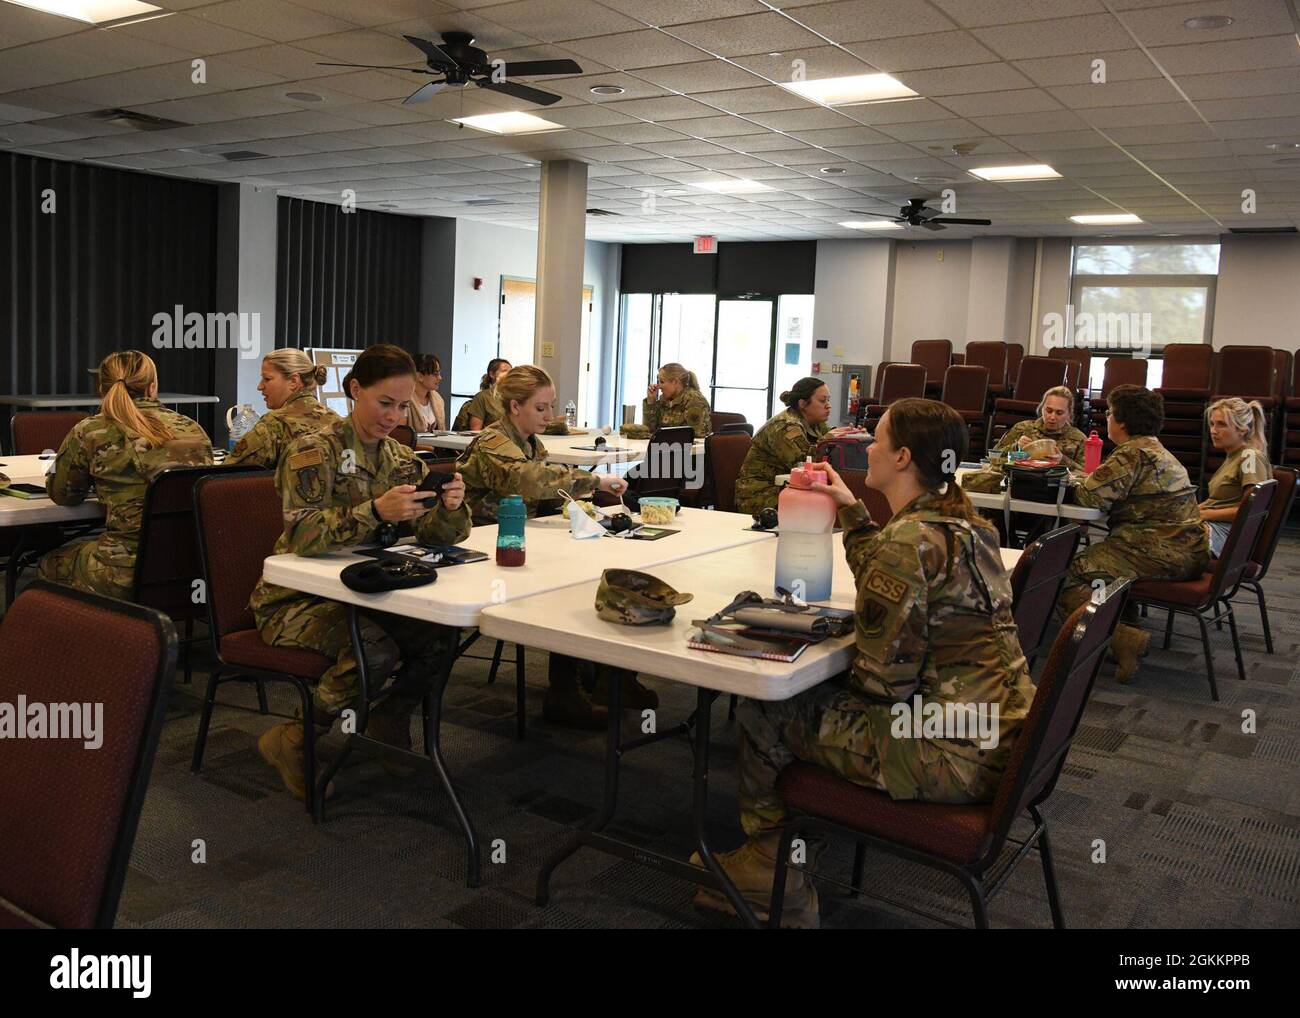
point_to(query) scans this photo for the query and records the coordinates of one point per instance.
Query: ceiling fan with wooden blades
(915, 213)
(459, 63)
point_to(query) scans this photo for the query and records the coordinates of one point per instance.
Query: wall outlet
(548, 349)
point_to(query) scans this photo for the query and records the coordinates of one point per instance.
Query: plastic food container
(658, 511)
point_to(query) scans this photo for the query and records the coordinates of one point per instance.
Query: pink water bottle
(805, 554)
(1091, 453)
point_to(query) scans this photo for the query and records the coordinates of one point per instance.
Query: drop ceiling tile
(869, 154)
(1053, 140)
(861, 20)
(579, 87)
(1248, 109)
(372, 85)
(186, 32)
(1086, 34)
(586, 115)
(1116, 93)
(1238, 84)
(272, 19)
(635, 134)
(676, 12)
(908, 111)
(690, 149)
(729, 161)
(631, 50)
(700, 76)
(286, 61)
(982, 13)
(1272, 128)
(805, 64)
(715, 127)
(840, 137)
(554, 20)
(951, 129)
(962, 80)
(373, 12)
(1078, 69)
(1228, 55)
(768, 142)
(1027, 100)
(1163, 26)
(918, 52)
(800, 120)
(747, 101)
(1030, 123)
(363, 46)
(672, 107)
(380, 114)
(617, 153)
(1158, 133)
(750, 33)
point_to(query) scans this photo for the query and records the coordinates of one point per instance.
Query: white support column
(561, 238)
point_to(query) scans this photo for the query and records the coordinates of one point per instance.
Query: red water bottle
(1091, 453)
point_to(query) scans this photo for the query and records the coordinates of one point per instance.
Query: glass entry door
(742, 366)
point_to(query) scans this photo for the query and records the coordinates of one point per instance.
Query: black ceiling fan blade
(877, 215)
(532, 95)
(377, 67)
(929, 224)
(436, 55)
(964, 222)
(425, 91)
(520, 68)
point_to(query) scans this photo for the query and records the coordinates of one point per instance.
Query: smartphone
(434, 481)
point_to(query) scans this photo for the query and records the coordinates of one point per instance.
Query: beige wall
(931, 293)
(1257, 299)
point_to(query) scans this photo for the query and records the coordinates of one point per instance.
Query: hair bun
(321, 373)
(785, 396)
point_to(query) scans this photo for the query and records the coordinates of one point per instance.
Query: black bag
(842, 451)
(1041, 484)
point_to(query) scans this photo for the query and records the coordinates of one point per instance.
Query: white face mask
(582, 526)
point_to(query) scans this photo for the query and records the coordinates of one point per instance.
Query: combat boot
(1128, 645)
(633, 695)
(390, 722)
(568, 704)
(281, 747)
(752, 868)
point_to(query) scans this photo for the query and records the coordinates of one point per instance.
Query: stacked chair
(1078, 378)
(1119, 371)
(1015, 354)
(897, 381)
(1283, 389)
(1188, 374)
(965, 389)
(1247, 372)
(1291, 439)
(991, 355)
(1036, 376)
(934, 355)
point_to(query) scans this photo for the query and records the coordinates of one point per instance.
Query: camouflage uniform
(1227, 486)
(502, 462)
(1155, 529)
(1070, 441)
(933, 619)
(688, 409)
(301, 414)
(97, 450)
(328, 483)
(486, 406)
(784, 441)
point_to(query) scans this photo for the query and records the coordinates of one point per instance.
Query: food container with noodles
(655, 511)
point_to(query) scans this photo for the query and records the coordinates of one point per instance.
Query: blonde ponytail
(1248, 418)
(675, 372)
(292, 362)
(124, 377)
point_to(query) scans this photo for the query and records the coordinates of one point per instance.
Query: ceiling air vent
(1263, 229)
(241, 155)
(135, 121)
(601, 212)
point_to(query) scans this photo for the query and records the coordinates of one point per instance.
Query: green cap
(636, 599)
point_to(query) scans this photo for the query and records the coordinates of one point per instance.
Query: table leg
(433, 747)
(11, 570)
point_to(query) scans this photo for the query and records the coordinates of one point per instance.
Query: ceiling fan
(460, 63)
(914, 213)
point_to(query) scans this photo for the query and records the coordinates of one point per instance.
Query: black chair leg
(315, 796)
(496, 662)
(1263, 617)
(1049, 874)
(777, 902)
(1236, 642)
(1218, 620)
(978, 903)
(201, 740)
(189, 644)
(521, 686)
(859, 868)
(731, 707)
(1209, 656)
(1169, 627)
(261, 697)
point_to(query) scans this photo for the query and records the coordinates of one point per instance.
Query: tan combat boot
(633, 695)
(281, 747)
(1128, 645)
(390, 722)
(752, 868)
(568, 704)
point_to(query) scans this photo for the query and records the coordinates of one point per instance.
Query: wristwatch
(387, 533)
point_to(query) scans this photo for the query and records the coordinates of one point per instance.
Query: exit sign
(706, 245)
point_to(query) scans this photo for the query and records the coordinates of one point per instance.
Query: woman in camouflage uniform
(350, 484)
(288, 380)
(933, 620)
(508, 459)
(784, 441)
(1155, 527)
(485, 407)
(1055, 414)
(120, 451)
(675, 401)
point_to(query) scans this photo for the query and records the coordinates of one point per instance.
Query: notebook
(758, 643)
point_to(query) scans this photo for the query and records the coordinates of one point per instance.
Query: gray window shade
(744, 267)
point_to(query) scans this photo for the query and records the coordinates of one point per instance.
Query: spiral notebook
(758, 643)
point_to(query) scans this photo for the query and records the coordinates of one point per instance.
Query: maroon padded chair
(991, 355)
(1080, 378)
(239, 518)
(1037, 375)
(966, 390)
(1214, 590)
(1266, 543)
(724, 452)
(897, 381)
(1185, 388)
(71, 815)
(966, 841)
(1291, 440)
(1119, 371)
(1247, 372)
(405, 434)
(34, 431)
(959, 358)
(876, 503)
(719, 419)
(1036, 583)
(1283, 366)
(1015, 355)
(934, 355)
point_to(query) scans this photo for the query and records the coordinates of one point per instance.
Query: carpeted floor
(1200, 822)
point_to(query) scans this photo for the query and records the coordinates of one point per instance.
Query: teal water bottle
(511, 515)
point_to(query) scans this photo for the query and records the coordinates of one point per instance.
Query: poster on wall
(337, 364)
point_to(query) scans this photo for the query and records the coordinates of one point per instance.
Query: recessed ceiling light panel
(853, 90)
(1107, 219)
(304, 97)
(872, 224)
(832, 171)
(734, 186)
(92, 12)
(1208, 21)
(508, 123)
(1033, 171)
